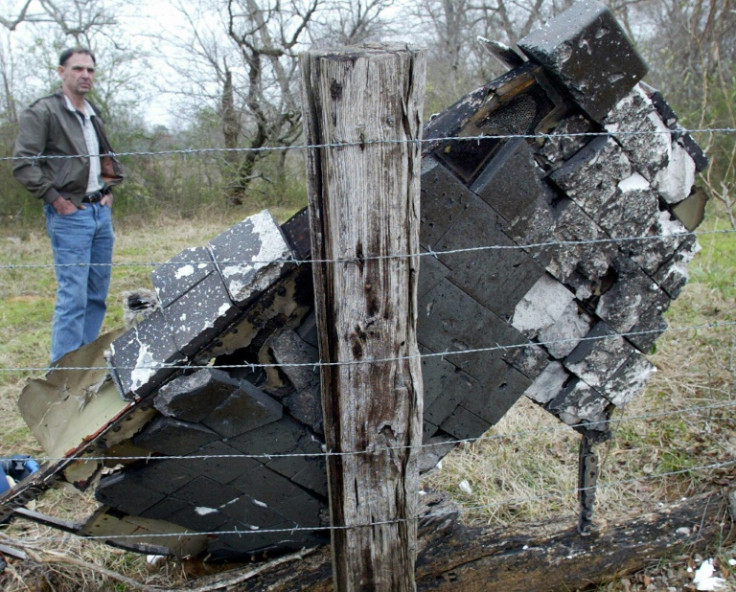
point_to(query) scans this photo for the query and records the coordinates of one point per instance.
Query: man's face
(77, 74)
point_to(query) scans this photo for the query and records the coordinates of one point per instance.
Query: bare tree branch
(12, 23)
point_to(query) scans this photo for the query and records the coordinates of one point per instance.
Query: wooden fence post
(364, 210)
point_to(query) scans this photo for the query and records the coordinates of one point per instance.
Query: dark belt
(92, 198)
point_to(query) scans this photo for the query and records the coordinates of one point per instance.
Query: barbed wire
(375, 451)
(363, 143)
(584, 551)
(317, 364)
(607, 484)
(542, 245)
(427, 253)
(520, 499)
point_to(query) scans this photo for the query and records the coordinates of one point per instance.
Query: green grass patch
(715, 265)
(25, 311)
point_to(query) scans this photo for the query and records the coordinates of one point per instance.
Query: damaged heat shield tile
(631, 214)
(588, 52)
(581, 406)
(180, 273)
(565, 333)
(144, 356)
(671, 120)
(251, 256)
(200, 315)
(638, 128)
(548, 384)
(632, 299)
(654, 148)
(296, 354)
(675, 182)
(584, 255)
(246, 409)
(530, 359)
(191, 397)
(541, 306)
(628, 380)
(673, 276)
(599, 356)
(566, 139)
(590, 178)
(666, 236)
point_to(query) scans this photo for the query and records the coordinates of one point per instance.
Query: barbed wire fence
(693, 411)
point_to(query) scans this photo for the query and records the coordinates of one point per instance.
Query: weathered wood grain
(364, 212)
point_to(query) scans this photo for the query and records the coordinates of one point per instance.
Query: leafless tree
(55, 24)
(450, 29)
(350, 22)
(80, 20)
(15, 17)
(266, 34)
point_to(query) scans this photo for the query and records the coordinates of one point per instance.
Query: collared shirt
(94, 181)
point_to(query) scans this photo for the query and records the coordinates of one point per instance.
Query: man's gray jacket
(48, 128)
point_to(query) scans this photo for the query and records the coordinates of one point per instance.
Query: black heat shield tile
(220, 462)
(169, 436)
(126, 493)
(200, 315)
(511, 183)
(251, 256)
(454, 321)
(144, 356)
(444, 199)
(191, 397)
(496, 272)
(180, 273)
(587, 52)
(248, 408)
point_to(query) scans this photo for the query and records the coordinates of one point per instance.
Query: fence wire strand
(614, 423)
(325, 453)
(521, 499)
(370, 142)
(367, 361)
(399, 256)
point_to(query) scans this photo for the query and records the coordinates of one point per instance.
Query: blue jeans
(80, 241)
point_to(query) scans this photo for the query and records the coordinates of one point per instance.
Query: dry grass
(524, 470)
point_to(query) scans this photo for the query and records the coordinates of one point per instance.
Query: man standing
(65, 159)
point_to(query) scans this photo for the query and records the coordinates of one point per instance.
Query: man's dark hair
(67, 53)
